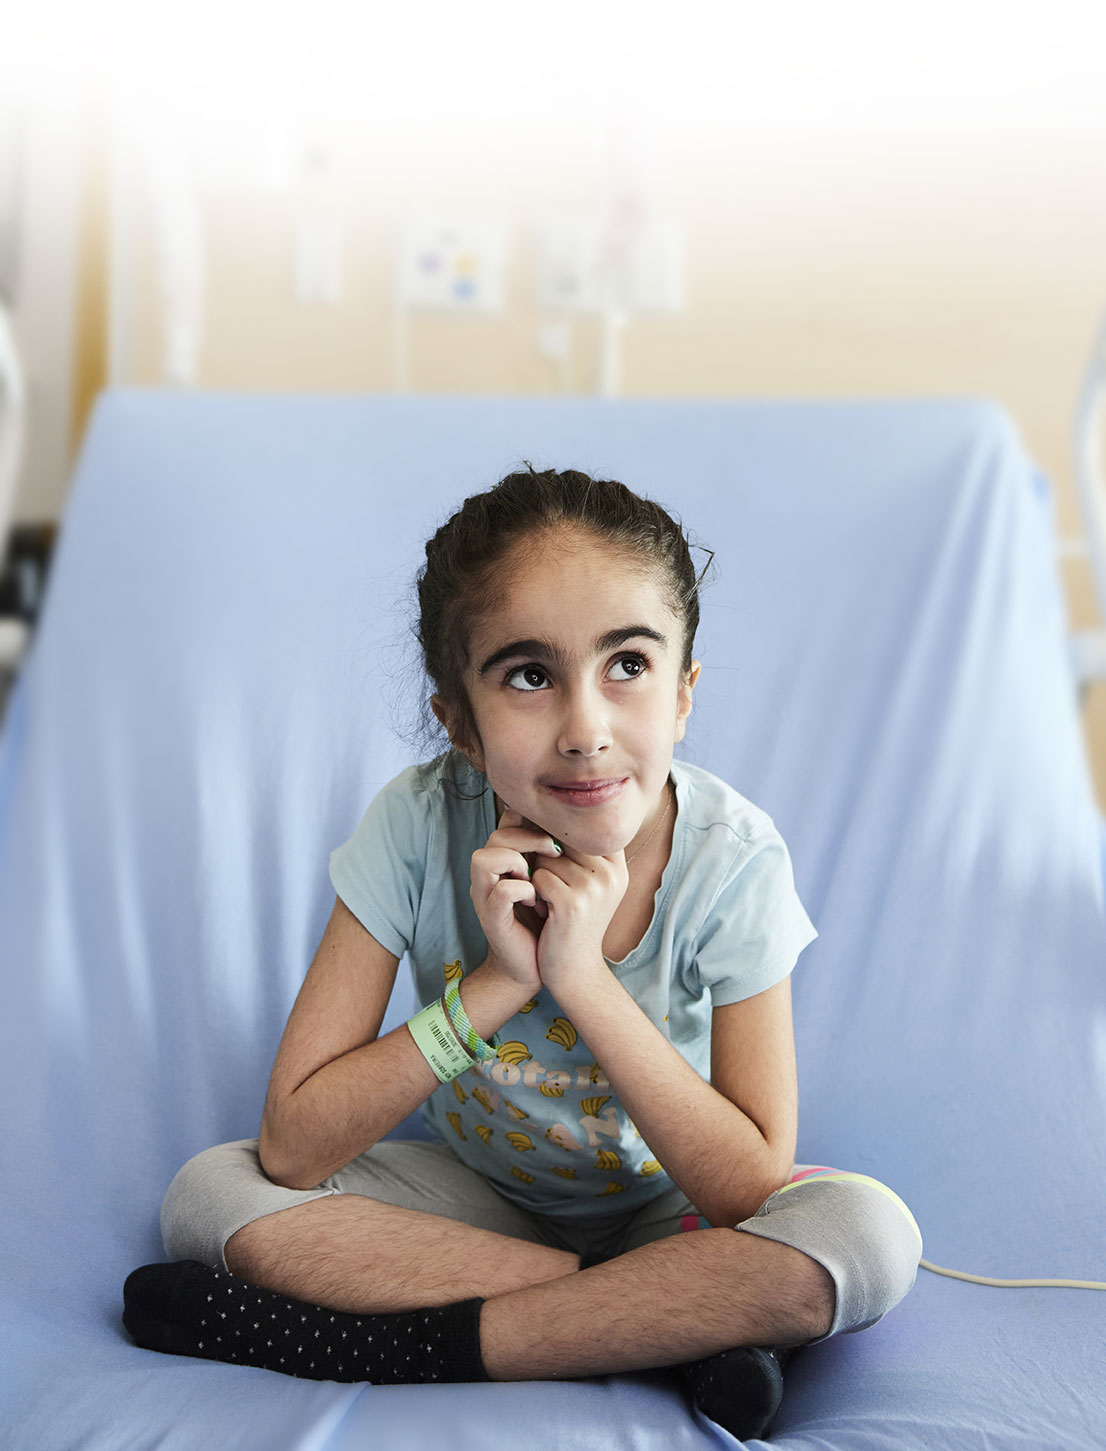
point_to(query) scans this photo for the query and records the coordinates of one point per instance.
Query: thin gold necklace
(653, 833)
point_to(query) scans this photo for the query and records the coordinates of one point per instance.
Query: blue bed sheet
(211, 701)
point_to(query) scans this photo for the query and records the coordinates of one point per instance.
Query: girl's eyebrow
(543, 650)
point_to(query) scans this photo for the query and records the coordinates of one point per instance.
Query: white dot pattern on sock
(441, 1342)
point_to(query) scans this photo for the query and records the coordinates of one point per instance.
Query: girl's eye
(527, 677)
(631, 665)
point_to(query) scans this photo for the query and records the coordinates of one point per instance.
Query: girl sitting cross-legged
(601, 939)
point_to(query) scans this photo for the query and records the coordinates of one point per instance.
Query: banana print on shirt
(514, 1106)
(562, 1032)
(594, 1125)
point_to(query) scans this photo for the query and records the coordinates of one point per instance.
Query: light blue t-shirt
(543, 1123)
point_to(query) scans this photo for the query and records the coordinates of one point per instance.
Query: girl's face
(577, 691)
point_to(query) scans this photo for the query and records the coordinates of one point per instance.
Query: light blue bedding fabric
(209, 706)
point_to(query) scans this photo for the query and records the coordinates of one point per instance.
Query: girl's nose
(584, 728)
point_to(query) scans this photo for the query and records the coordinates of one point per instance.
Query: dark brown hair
(463, 576)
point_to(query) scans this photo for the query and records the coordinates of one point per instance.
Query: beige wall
(833, 266)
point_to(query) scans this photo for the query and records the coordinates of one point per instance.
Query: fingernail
(557, 847)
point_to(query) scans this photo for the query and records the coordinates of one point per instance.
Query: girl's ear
(683, 699)
(457, 737)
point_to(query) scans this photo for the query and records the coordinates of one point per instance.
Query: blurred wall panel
(48, 141)
(12, 144)
(90, 348)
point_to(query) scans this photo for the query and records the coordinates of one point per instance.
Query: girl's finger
(510, 892)
(499, 861)
(527, 839)
(574, 874)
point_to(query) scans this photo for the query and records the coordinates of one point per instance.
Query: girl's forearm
(344, 1108)
(349, 1104)
(707, 1145)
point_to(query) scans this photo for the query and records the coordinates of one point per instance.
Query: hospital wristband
(460, 1024)
(438, 1043)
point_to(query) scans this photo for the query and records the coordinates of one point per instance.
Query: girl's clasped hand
(544, 908)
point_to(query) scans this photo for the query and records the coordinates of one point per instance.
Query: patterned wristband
(438, 1043)
(463, 1028)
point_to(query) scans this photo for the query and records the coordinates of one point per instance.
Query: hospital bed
(13, 407)
(223, 677)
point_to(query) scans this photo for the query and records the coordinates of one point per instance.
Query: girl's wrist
(575, 988)
(491, 997)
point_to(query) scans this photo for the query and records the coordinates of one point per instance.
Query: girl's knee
(887, 1244)
(205, 1198)
(858, 1229)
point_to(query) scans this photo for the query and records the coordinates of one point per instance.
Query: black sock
(187, 1308)
(586, 1261)
(740, 1389)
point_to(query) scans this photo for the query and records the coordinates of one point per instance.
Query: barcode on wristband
(437, 1042)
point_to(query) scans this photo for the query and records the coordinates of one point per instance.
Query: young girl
(601, 939)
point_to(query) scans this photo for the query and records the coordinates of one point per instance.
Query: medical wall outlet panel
(586, 264)
(453, 266)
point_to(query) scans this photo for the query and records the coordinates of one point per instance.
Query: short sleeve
(380, 871)
(756, 927)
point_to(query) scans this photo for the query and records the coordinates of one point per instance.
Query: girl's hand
(581, 894)
(506, 899)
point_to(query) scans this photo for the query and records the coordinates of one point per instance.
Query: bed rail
(13, 407)
(1088, 647)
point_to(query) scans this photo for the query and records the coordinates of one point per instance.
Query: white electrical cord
(1014, 1284)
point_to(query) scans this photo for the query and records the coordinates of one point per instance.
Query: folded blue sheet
(211, 701)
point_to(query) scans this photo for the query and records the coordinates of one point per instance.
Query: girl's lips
(588, 793)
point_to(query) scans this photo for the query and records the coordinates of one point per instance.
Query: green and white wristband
(438, 1043)
(460, 1024)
